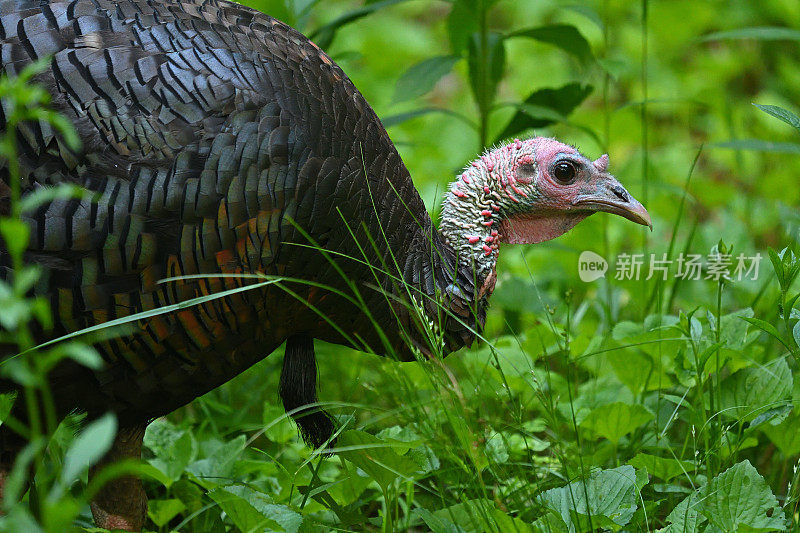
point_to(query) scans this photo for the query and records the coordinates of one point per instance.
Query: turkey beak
(611, 197)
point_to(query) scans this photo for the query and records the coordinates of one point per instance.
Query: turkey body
(216, 140)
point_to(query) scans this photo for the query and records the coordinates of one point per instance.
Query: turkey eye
(564, 172)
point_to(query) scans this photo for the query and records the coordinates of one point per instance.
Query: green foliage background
(635, 405)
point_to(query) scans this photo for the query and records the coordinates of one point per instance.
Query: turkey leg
(298, 388)
(122, 502)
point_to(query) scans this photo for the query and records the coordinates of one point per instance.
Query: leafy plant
(54, 506)
(472, 39)
(666, 404)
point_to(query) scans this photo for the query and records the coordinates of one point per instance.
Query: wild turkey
(221, 141)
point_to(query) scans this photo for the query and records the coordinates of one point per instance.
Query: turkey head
(528, 192)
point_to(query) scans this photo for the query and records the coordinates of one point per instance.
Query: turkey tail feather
(298, 389)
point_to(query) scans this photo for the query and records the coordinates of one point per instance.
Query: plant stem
(715, 386)
(606, 141)
(483, 104)
(643, 117)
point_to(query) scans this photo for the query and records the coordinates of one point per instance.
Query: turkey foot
(122, 502)
(298, 388)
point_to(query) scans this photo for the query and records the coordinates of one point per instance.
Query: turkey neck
(470, 221)
(464, 255)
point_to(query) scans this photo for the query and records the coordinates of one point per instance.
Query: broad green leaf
(734, 336)
(280, 9)
(20, 518)
(562, 100)
(777, 266)
(486, 66)
(496, 450)
(437, 524)
(506, 356)
(25, 278)
(302, 7)
(642, 479)
(638, 371)
(751, 391)
(477, 5)
(653, 330)
(551, 522)
(739, 498)
(174, 448)
(614, 67)
(785, 435)
(6, 403)
(587, 12)
(685, 517)
(15, 312)
(20, 373)
(242, 511)
(664, 468)
(43, 195)
(289, 520)
(763, 33)
(92, 443)
(564, 36)
(537, 112)
(615, 420)
(400, 434)
(757, 145)
(796, 333)
(791, 267)
(324, 36)
(773, 415)
(15, 234)
(767, 328)
(705, 355)
(422, 77)
(600, 392)
(278, 427)
(425, 458)
(381, 459)
(461, 23)
(609, 496)
(40, 310)
(513, 295)
(421, 454)
(733, 330)
(191, 494)
(781, 114)
(735, 445)
(220, 462)
(350, 487)
(82, 354)
(476, 516)
(149, 471)
(394, 120)
(162, 511)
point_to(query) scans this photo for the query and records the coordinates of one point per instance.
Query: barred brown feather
(217, 140)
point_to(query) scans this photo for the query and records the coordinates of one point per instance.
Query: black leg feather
(298, 388)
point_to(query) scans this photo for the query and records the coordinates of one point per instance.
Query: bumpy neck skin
(476, 204)
(469, 221)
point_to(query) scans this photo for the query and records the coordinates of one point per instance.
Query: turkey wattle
(219, 140)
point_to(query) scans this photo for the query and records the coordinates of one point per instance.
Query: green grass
(635, 405)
